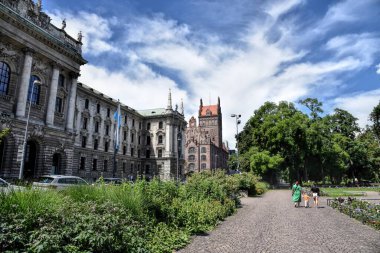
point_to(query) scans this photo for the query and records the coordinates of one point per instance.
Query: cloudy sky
(244, 51)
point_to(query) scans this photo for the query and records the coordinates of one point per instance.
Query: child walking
(306, 198)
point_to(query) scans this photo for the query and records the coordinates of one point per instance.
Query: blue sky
(245, 51)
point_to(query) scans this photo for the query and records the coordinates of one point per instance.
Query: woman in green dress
(296, 194)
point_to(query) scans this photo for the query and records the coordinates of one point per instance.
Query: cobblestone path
(272, 224)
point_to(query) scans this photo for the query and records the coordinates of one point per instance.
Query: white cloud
(378, 68)
(361, 46)
(145, 91)
(96, 30)
(359, 104)
(277, 8)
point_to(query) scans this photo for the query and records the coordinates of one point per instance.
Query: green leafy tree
(375, 118)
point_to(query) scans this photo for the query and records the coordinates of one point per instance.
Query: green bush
(141, 217)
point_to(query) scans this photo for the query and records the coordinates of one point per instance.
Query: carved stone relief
(8, 52)
(40, 67)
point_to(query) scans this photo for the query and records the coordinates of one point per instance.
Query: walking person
(315, 191)
(296, 194)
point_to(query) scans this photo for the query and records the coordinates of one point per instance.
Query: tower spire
(169, 107)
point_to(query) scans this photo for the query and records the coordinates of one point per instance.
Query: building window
(95, 144)
(86, 104)
(147, 169)
(34, 95)
(108, 112)
(139, 140)
(147, 154)
(203, 150)
(58, 104)
(106, 146)
(82, 163)
(191, 167)
(159, 153)
(94, 164)
(107, 130)
(105, 165)
(140, 125)
(84, 141)
(124, 150)
(84, 123)
(133, 138)
(125, 119)
(160, 125)
(191, 150)
(133, 122)
(203, 166)
(132, 168)
(96, 127)
(98, 108)
(5, 77)
(61, 81)
(125, 135)
(138, 153)
(148, 140)
(148, 126)
(203, 158)
(124, 167)
(191, 158)
(160, 139)
(132, 152)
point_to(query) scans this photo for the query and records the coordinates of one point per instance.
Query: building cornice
(64, 44)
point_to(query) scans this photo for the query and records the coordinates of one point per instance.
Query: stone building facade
(204, 148)
(71, 126)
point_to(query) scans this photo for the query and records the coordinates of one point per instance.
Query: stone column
(73, 96)
(24, 84)
(168, 139)
(52, 97)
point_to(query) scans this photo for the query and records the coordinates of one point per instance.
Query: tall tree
(375, 118)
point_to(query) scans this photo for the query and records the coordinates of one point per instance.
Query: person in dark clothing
(316, 194)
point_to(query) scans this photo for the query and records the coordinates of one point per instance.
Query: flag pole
(117, 116)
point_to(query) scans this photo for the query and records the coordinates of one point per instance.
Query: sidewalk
(272, 224)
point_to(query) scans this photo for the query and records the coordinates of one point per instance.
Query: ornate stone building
(71, 126)
(204, 148)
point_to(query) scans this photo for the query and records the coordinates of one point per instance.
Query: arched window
(203, 158)
(160, 139)
(191, 158)
(191, 167)
(34, 95)
(5, 77)
(203, 150)
(191, 150)
(203, 166)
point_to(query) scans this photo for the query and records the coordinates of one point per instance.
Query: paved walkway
(272, 224)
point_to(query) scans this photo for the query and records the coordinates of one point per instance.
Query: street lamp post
(26, 131)
(237, 120)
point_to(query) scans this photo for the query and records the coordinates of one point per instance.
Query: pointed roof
(209, 110)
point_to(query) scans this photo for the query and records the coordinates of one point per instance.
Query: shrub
(141, 217)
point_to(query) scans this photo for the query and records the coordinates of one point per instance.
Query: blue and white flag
(117, 117)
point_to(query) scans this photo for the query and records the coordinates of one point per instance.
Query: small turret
(169, 107)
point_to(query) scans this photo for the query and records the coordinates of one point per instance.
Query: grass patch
(347, 191)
